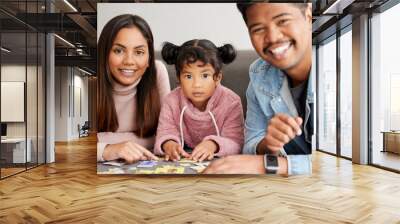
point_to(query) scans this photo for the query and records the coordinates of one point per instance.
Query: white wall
(80, 110)
(12, 73)
(179, 22)
(69, 82)
(61, 103)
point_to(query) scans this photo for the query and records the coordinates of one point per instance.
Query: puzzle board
(184, 166)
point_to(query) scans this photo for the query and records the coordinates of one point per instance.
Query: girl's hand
(173, 151)
(204, 150)
(129, 151)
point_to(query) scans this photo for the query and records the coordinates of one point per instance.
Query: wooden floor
(387, 159)
(69, 191)
(10, 171)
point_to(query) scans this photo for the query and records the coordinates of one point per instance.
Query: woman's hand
(173, 151)
(129, 151)
(204, 151)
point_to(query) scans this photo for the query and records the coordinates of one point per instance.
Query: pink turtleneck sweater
(125, 105)
(222, 121)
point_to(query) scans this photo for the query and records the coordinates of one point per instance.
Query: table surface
(13, 140)
(391, 132)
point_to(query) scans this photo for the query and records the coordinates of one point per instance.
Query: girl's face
(198, 83)
(129, 56)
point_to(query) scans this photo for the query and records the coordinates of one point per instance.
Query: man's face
(280, 33)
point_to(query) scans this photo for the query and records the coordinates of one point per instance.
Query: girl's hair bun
(169, 52)
(227, 53)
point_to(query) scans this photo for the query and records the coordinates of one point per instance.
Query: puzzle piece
(176, 170)
(113, 171)
(160, 170)
(198, 169)
(142, 171)
(204, 163)
(114, 163)
(170, 170)
(147, 164)
(184, 160)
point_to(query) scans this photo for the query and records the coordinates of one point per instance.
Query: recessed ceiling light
(5, 50)
(70, 5)
(84, 71)
(64, 40)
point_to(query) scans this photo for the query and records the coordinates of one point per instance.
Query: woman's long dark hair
(148, 97)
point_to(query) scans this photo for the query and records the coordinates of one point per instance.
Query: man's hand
(173, 151)
(204, 150)
(237, 164)
(281, 129)
(129, 151)
(244, 164)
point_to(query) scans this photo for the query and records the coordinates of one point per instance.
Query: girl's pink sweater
(222, 121)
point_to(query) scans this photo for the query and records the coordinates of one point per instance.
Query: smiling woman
(130, 84)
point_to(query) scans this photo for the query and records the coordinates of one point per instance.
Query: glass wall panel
(346, 94)
(327, 96)
(14, 154)
(32, 87)
(23, 87)
(385, 89)
(31, 98)
(41, 79)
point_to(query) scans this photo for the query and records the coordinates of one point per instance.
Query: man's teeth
(281, 49)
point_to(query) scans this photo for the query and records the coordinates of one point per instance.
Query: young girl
(131, 85)
(201, 114)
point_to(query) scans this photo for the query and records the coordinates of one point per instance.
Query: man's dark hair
(243, 6)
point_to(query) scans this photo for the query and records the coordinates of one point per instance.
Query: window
(385, 89)
(346, 95)
(327, 96)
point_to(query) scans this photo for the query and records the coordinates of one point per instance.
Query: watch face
(272, 161)
(271, 164)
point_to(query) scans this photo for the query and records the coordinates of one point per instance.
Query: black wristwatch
(270, 164)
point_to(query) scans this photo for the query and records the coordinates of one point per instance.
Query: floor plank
(69, 191)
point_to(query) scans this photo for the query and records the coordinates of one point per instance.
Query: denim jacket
(268, 93)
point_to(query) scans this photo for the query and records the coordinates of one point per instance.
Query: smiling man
(279, 96)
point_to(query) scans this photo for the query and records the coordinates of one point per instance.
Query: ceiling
(329, 16)
(76, 20)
